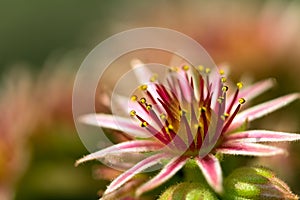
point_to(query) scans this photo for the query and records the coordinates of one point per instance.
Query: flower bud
(188, 191)
(256, 183)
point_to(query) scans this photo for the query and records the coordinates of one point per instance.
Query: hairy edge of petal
(139, 167)
(115, 122)
(211, 169)
(167, 172)
(262, 136)
(262, 110)
(124, 147)
(249, 149)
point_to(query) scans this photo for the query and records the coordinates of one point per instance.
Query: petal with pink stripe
(254, 90)
(139, 167)
(262, 110)
(262, 136)
(124, 147)
(167, 172)
(125, 125)
(211, 169)
(249, 149)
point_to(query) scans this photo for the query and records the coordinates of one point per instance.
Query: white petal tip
(136, 63)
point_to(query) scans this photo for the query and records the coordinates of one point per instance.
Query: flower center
(188, 111)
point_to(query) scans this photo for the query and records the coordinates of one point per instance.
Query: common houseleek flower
(191, 116)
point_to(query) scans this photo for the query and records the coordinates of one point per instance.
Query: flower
(189, 117)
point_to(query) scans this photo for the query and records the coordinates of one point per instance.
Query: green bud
(256, 183)
(188, 191)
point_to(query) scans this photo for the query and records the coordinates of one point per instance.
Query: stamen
(132, 113)
(143, 87)
(133, 98)
(144, 124)
(153, 78)
(143, 100)
(223, 79)
(186, 67)
(148, 106)
(239, 86)
(242, 100)
(201, 68)
(221, 72)
(225, 88)
(207, 70)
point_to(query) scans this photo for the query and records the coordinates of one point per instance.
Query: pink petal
(262, 136)
(254, 90)
(124, 147)
(139, 167)
(211, 169)
(249, 149)
(142, 73)
(262, 109)
(166, 173)
(125, 125)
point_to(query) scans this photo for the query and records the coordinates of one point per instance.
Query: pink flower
(189, 117)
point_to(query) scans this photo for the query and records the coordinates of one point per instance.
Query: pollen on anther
(220, 99)
(153, 78)
(225, 88)
(162, 116)
(144, 124)
(148, 106)
(221, 72)
(133, 98)
(239, 85)
(186, 67)
(170, 127)
(143, 87)
(207, 70)
(143, 100)
(242, 100)
(132, 113)
(201, 68)
(223, 79)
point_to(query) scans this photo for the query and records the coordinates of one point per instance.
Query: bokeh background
(42, 44)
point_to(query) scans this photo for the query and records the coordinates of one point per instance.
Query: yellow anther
(186, 67)
(143, 100)
(148, 106)
(143, 87)
(182, 112)
(239, 85)
(221, 72)
(133, 98)
(223, 79)
(174, 69)
(200, 67)
(207, 70)
(162, 116)
(132, 113)
(170, 127)
(203, 109)
(153, 78)
(242, 100)
(144, 124)
(220, 99)
(225, 116)
(225, 88)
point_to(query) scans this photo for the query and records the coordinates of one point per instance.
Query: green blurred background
(42, 44)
